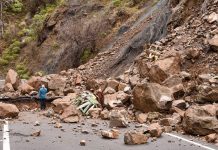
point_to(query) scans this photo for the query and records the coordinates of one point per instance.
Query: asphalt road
(69, 137)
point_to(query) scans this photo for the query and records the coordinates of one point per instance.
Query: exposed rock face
(214, 43)
(152, 97)
(12, 78)
(201, 120)
(134, 138)
(118, 118)
(8, 110)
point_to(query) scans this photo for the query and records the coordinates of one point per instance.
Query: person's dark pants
(42, 103)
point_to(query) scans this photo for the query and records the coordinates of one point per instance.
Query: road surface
(69, 137)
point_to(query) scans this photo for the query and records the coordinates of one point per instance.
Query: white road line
(186, 140)
(6, 141)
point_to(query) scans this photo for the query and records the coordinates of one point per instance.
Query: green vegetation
(117, 3)
(26, 33)
(10, 53)
(22, 71)
(17, 6)
(86, 55)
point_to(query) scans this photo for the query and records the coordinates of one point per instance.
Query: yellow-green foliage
(10, 53)
(16, 6)
(22, 71)
(86, 55)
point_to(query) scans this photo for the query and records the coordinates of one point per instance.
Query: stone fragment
(12, 78)
(135, 138)
(141, 117)
(211, 138)
(118, 118)
(152, 97)
(36, 82)
(214, 43)
(201, 120)
(8, 110)
(155, 130)
(105, 114)
(58, 125)
(94, 112)
(83, 143)
(36, 133)
(8, 87)
(113, 134)
(25, 88)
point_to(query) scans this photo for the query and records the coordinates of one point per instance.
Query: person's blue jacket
(42, 93)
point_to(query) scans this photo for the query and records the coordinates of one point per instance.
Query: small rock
(58, 125)
(113, 134)
(36, 133)
(83, 143)
(85, 132)
(155, 130)
(141, 117)
(37, 123)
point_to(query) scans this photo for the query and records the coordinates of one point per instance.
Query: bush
(22, 71)
(117, 2)
(17, 6)
(86, 55)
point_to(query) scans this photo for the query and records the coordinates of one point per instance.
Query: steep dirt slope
(75, 33)
(151, 26)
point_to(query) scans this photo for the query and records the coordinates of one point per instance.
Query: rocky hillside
(61, 35)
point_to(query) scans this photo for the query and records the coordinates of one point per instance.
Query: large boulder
(118, 118)
(8, 110)
(70, 115)
(12, 78)
(214, 43)
(170, 65)
(61, 103)
(152, 97)
(135, 138)
(8, 87)
(57, 83)
(155, 130)
(36, 82)
(201, 120)
(25, 88)
(209, 94)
